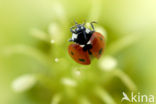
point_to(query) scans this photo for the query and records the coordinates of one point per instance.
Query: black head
(80, 34)
(78, 28)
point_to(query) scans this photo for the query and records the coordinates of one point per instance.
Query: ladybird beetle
(86, 42)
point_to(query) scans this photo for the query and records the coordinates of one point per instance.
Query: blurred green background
(35, 67)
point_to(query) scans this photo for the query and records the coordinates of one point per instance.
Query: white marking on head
(87, 31)
(89, 42)
(74, 36)
(81, 27)
(82, 46)
(77, 29)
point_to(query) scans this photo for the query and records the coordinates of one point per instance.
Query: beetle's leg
(71, 29)
(92, 25)
(85, 36)
(87, 47)
(70, 40)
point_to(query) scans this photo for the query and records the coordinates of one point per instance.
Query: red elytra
(77, 53)
(81, 56)
(98, 44)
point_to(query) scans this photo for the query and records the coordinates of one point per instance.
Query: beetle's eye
(77, 29)
(87, 31)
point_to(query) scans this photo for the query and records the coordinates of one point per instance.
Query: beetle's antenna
(93, 25)
(75, 22)
(84, 22)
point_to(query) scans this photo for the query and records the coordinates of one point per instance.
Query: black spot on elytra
(100, 51)
(82, 60)
(72, 53)
(101, 38)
